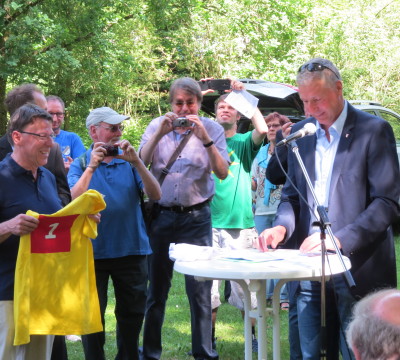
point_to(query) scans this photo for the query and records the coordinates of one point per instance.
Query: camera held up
(111, 150)
(181, 122)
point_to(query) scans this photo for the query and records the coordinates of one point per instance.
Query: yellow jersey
(55, 287)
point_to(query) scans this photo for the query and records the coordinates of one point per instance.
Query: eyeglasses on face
(273, 126)
(58, 114)
(316, 67)
(41, 137)
(113, 128)
(188, 103)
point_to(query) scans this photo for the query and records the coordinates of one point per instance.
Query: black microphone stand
(325, 227)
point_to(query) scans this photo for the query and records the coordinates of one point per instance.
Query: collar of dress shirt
(337, 126)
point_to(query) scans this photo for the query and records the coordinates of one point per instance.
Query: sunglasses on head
(311, 67)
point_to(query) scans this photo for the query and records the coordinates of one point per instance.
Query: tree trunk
(3, 111)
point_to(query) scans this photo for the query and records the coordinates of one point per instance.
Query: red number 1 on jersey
(53, 235)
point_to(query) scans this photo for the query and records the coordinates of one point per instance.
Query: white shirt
(325, 153)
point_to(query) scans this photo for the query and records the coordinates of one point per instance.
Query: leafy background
(125, 53)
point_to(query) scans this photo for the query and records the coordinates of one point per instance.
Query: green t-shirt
(231, 204)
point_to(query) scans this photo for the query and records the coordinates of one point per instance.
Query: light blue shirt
(70, 144)
(325, 153)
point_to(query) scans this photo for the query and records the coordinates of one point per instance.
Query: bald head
(374, 332)
(387, 307)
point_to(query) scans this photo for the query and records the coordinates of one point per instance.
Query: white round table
(250, 269)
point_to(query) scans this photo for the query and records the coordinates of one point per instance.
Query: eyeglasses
(113, 128)
(42, 137)
(274, 126)
(316, 67)
(58, 114)
(187, 103)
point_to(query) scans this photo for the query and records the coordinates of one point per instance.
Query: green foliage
(125, 53)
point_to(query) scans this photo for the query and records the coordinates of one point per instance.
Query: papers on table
(250, 256)
(187, 252)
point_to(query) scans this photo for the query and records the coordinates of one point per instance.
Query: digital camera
(181, 122)
(111, 150)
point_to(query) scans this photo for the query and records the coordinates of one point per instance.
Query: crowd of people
(208, 185)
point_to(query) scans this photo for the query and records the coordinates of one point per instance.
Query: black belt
(184, 209)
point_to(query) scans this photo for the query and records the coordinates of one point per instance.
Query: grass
(176, 330)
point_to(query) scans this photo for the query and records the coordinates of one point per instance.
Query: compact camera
(181, 122)
(111, 150)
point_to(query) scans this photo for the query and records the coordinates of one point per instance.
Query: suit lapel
(308, 155)
(345, 140)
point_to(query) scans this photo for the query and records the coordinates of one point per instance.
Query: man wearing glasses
(112, 167)
(353, 165)
(70, 143)
(25, 185)
(184, 211)
(30, 93)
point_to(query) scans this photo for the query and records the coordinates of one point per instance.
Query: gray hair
(318, 68)
(188, 85)
(373, 337)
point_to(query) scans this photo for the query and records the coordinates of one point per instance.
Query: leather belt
(184, 209)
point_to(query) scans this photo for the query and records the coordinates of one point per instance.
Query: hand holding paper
(243, 101)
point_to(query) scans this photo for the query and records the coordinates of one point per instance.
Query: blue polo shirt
(19, 193)
(121, 231)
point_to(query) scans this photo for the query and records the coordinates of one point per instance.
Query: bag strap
(82, 161)
(140, 190)
(174, 156)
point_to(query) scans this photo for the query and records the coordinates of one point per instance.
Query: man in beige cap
(112, 167)
(374, 332)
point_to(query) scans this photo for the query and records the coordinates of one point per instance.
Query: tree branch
(21, 11)
(388, 4)
(82, 38)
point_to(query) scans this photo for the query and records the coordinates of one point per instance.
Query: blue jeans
(194, 228)
(129, 276)
(261, 223)
(339, 304)
(294, 337)
(284, 297)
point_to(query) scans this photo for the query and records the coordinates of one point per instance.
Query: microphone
(308, 129)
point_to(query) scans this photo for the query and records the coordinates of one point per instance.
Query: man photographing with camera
(183, 212)
(112, 167)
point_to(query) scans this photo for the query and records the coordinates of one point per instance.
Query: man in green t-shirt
(231, 212)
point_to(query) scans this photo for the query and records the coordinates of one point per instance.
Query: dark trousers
(170, 227)
(129, 276)
(294, 336)
(59, 350)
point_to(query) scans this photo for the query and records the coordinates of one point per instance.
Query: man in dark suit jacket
(30, 93)
(353, 165)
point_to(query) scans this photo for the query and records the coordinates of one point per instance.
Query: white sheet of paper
(243, 101)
